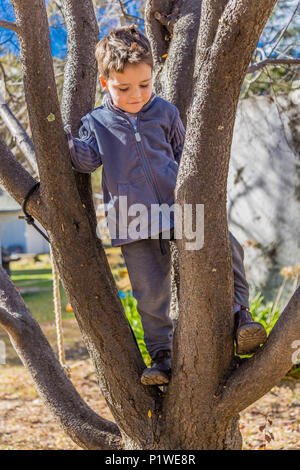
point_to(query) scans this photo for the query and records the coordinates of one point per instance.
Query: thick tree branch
(279, 62)
(257, 375)
(17, 182)
(180, 49)
(203, 344)
(80, 80)
(80, 72)
(41, 96)
(155, 31)
(211, 12)
(23, 141)
(9, 25)
(80, 422)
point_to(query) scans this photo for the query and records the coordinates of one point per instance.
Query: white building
(15, 234)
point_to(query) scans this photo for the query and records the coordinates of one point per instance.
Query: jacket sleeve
(177, 137)
(84, 150)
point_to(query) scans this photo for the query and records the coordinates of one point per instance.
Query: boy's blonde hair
(122, 46)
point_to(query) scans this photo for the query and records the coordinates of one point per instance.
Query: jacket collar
(107, 102)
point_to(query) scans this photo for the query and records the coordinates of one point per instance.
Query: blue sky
(58, 35)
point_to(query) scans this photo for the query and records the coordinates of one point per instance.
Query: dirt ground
(273, 422)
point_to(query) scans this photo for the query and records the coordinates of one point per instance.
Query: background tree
(200, 64)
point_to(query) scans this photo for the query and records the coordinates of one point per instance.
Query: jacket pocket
(166, 181)
(174, 166)
(136, 192)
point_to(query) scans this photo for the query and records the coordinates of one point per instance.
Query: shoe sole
(154, 378)
(249, 338)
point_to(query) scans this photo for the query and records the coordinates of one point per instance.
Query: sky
(280, 17)
(58, 34)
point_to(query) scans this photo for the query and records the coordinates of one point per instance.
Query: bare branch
(23, 140)
(80, 422)
(127, 15)
(9, 25)
(5, 83)
(283, 31)
(279, 62)
(256, 376)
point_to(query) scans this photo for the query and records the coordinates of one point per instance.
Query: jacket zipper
(146, 165)
(140, 149)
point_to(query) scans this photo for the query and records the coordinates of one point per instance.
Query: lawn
(33, 278)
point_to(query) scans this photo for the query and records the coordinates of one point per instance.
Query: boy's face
(131, 89)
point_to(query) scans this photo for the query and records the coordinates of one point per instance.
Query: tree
(207, 59)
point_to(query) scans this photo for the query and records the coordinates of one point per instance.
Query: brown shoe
(249, 334)
(160, 371)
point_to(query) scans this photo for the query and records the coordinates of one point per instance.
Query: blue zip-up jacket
(140, 162)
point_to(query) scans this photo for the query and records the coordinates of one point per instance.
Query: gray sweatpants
(150, 276)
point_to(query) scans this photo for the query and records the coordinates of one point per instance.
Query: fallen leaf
(51, 117)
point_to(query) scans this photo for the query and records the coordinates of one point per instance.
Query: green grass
(129, 304)
(262, 312)
(39, 303)
(29, 275)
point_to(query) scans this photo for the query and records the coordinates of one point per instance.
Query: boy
(138, 137)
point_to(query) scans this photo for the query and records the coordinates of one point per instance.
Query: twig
(127, 15)
(284, 29)
(9, 25)
(264, 63)
(278, 298)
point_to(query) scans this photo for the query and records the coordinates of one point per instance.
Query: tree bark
(197, 411)
(80, 81)
(84, 270)
(17, 181)
(203, 342)
(82, 424)
(173, 73)
(23, 141)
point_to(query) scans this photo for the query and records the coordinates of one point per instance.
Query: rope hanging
(56, 293)
(58, 314)
(29, 219)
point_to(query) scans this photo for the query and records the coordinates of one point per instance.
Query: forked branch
(80, 422)
(17, 181)
(9, 25)
(265, 369)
